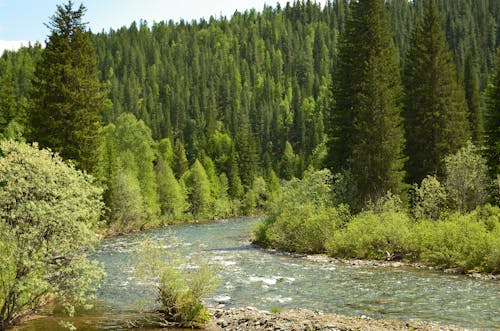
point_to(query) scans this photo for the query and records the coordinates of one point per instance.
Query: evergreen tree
(180, 162)
(8, 106)
(288, 162)
(471, 85)
(434, 108)
(67, 95)
(366, 134)
(493, 121)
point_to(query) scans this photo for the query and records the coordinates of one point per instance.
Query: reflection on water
(254, 277)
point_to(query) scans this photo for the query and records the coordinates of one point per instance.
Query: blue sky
(23, 20)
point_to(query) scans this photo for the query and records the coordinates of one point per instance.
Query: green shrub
(427, 201)
(304, 228)
(180, 289)
(374, 236)
(48, 214)
(462, 241)
(302, 217)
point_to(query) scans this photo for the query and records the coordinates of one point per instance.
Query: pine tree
(180, 162)
(366, 134)
(475, 113)
(434, 107)
(288, 162)
(67, 95)
(8, 105)
(493, 120)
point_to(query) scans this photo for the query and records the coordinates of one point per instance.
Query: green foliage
(373, 236)
(126, 159)
(462, 241)
(366, 135)
(48, 213)
(180, 162)
(469, 241)
(67, 93)
(198, 189)
(434, 108)
(467, 180)
(172, 197)
(288, 162)
(476, 117)
(180, 288)
(302, 217)
(428, 201)
(492, 119)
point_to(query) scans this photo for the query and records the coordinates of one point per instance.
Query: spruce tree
(434, 107)
(493, 120)
(471, 84)
(8, 104)
(180, 162)
(67, 92)
(366, 134)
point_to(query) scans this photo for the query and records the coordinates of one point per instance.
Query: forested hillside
(238, 102)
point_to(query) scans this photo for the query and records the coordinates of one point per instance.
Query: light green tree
(198, 188)
(48, 213)
(172, 197)
(467, 180)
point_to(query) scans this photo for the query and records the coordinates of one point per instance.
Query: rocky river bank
(250, 318)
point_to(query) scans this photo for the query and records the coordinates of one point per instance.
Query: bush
(463, 241)
(180, 289)
(48, 211)
(302, 216)
(428, 201)
(304, 228)
(374, 236)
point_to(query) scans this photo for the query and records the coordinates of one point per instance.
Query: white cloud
(12, 45)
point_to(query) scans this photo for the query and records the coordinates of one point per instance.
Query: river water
(250, 276)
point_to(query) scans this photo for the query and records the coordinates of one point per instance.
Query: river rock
(252, 319)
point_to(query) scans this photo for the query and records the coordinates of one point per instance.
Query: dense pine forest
(249, 97)
(363, 129)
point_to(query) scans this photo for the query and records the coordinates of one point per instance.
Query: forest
(249, 97)
(375, 120)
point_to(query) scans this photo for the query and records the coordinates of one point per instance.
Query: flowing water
(250, 276)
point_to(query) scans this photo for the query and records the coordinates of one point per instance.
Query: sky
(22, 21)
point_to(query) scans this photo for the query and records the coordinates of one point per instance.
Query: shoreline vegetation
(360, 134)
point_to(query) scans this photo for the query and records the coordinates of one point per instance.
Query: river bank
(250, 318)
(321, 258)
(325, 259)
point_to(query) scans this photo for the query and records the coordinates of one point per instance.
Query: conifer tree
(493, 120)
(471, 84)
(288, 162)
(67, 95)
(8, 104)
(180, 162)
(434, 108)
(366, 134)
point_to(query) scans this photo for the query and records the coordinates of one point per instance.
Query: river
(250, 276)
